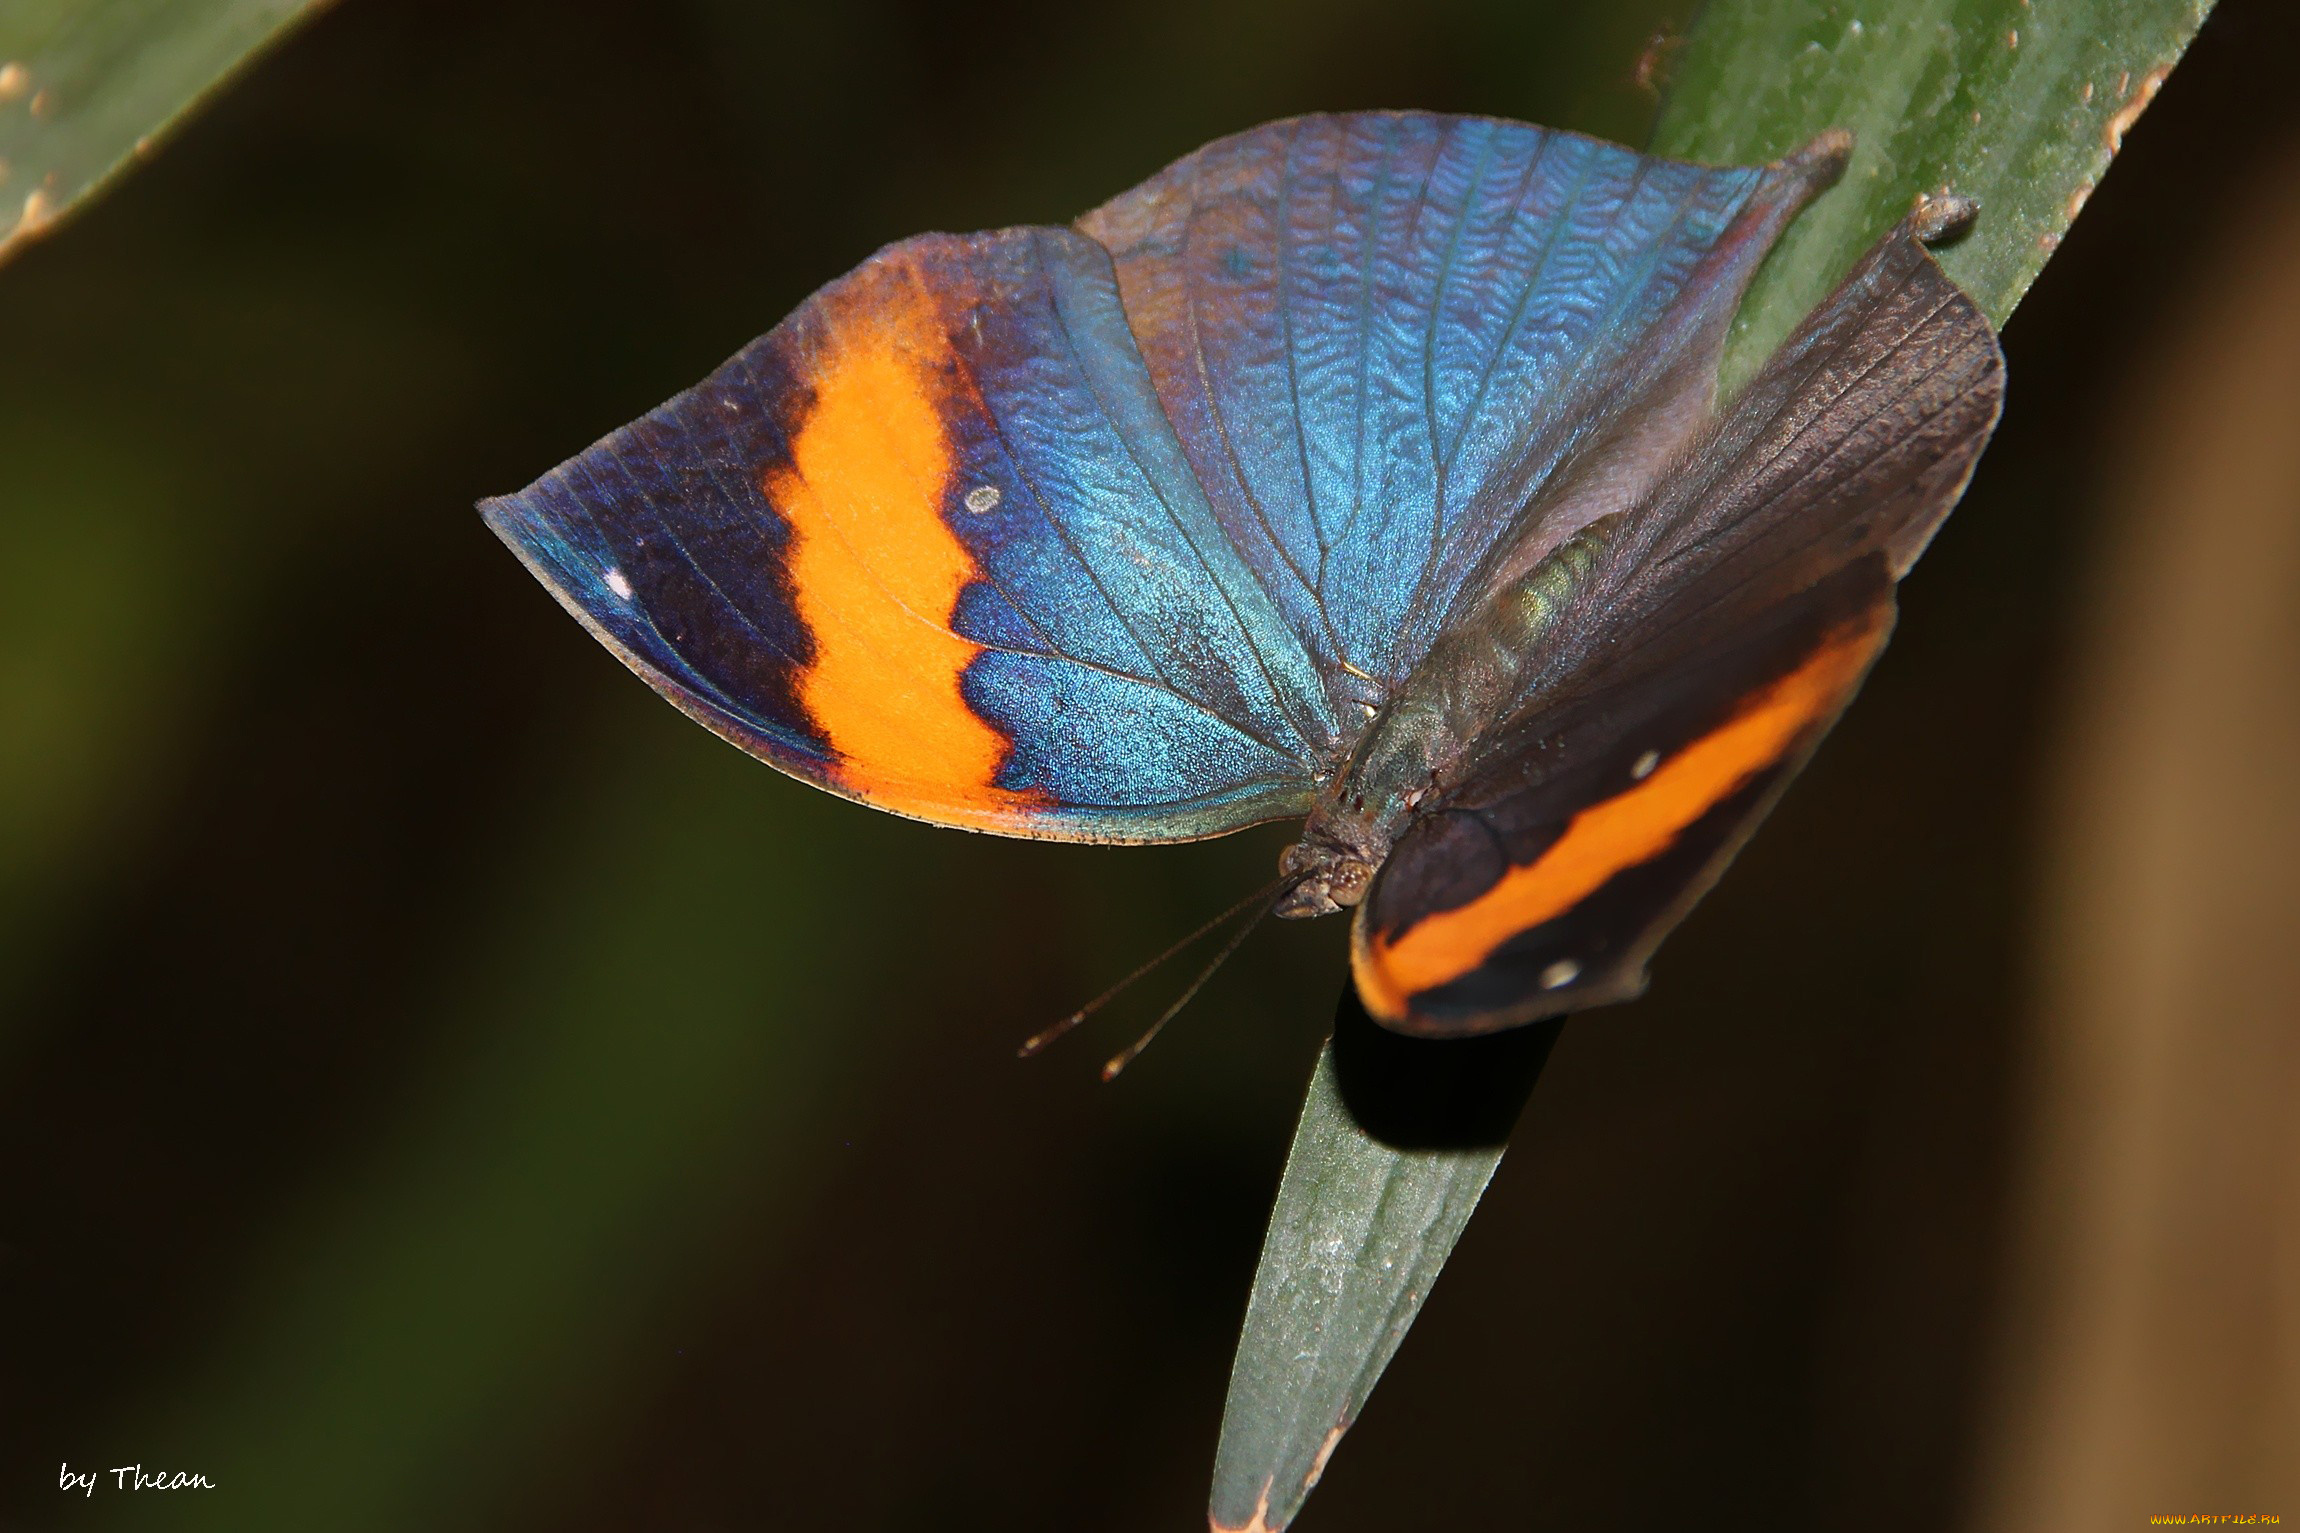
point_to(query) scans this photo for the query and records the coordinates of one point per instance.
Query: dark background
(441, 1088)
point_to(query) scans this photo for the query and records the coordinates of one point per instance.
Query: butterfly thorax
(1416, 747)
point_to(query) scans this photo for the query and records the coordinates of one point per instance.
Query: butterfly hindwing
(1544, 885)
(1857, 436)
(1722, 629)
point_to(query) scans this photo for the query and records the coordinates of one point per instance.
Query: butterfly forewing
(929, 543)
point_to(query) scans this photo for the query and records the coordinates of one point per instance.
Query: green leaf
(2018, 106)
(1360, 1232)
(1395, 1145)
(89, 87)
(1986, 98)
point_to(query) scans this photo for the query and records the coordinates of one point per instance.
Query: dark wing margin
(1731, 620)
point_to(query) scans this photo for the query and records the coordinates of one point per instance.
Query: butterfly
(1366, 468)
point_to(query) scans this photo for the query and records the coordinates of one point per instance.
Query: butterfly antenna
(1134, 1050)
(1037, 1041)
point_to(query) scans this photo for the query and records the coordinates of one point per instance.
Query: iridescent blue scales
(1302, 479)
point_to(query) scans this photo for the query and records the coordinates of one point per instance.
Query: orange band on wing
(1618, 833)
(875, 571)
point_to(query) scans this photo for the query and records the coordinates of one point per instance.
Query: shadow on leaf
(1435, 1093)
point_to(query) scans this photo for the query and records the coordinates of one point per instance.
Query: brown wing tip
(1821, 162)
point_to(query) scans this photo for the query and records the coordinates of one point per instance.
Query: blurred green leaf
(147, 507)
(90, 87)
(648, 1048)
(1986, 98)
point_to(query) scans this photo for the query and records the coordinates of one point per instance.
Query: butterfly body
(1415, 746)
(1362, 468)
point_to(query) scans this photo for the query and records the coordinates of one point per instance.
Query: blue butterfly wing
(1118, 532)
(930, 543)
(1379, 333)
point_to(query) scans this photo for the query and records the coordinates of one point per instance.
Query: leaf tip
(1259, 1524)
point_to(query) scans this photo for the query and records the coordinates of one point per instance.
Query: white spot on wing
(1643, 766)
(619, 583)
(1560, 974)
(981, 498)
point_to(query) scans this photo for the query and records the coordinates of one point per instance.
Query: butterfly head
(1326, 878)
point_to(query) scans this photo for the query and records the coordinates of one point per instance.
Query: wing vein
(678, 546)
(1557, 227)
(1438, 468)
(1372, 242)
(1757, 468)
(1293, 368)
(1237, 464)
(1181, 529)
